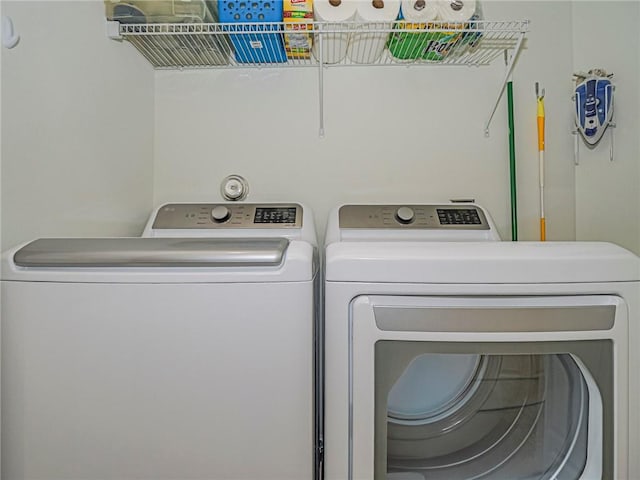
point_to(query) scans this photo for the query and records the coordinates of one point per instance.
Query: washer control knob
(405, 215)
(220, 214)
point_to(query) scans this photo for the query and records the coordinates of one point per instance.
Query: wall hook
(9, 38)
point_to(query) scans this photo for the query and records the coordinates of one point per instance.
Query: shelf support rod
(321, 83)
(507, 75)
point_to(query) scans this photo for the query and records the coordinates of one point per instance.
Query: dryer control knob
(220, 214)
(405, 215)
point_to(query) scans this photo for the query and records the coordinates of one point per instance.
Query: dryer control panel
(178, 216)
(464, 217)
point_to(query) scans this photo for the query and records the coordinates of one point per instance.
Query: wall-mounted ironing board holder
(593, 109)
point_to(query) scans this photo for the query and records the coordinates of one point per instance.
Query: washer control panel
(459, 217)
(228, 215)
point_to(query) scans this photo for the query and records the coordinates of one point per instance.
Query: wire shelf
(326, 44)
(312, 44)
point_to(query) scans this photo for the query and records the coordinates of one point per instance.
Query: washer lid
(152, 252)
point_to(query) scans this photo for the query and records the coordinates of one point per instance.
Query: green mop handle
(512, 164)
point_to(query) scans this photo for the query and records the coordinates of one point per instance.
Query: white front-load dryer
(452, 355)
(186, 354)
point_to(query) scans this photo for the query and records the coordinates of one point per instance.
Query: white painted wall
(608, 193)
(92, 137)
(77, 130)
(392, 134)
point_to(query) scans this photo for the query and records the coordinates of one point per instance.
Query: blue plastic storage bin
(254, 47)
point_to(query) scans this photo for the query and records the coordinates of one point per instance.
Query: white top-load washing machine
(187, 354)
(451, 355)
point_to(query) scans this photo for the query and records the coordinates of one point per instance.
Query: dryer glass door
(478, 415)
(451, 403)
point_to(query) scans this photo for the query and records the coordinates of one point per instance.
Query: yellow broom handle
(543, 233)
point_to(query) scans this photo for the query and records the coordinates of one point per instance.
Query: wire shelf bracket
(510, 61)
